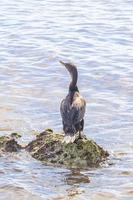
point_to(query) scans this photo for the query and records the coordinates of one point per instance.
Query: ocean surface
(97, 36)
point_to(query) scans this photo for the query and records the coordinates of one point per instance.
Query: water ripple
(97, 37)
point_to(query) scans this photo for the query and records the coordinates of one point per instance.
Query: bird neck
(73, 84)
(72, 92)
(73, 89)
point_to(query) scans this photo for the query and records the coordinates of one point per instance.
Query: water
(98, 37)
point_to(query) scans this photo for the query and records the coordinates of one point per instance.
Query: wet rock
(9, 144)
(15, 135)
(83, 153)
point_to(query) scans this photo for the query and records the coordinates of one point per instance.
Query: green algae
(83, 153)
(16, 135)
(49, 148)
(9, 144)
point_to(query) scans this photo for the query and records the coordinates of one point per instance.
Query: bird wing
(64, 110)
(73, 113)
(78, 110)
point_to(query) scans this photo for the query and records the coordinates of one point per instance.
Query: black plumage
(72, 108)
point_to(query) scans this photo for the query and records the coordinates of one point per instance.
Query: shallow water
(97, 37)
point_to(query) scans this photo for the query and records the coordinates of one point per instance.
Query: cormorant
(72, 108)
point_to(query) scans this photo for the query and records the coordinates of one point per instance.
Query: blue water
(98, 37)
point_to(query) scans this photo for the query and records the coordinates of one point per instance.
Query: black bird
(72, 108)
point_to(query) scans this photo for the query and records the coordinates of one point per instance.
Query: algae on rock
(48, 147)
(9, 144)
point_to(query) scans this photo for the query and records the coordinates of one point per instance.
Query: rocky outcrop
(9, 143)
(83, 153)
(49, 148)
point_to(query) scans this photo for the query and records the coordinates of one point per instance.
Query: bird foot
(82, 137)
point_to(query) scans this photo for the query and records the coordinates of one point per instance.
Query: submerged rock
(9, 144)
(48, 148)
(83, 153)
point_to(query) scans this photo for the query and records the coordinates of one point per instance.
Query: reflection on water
(75, 177)
(97, 37)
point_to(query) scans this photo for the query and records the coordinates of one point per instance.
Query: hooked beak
(62, 63)
(66, 65)
(70, 67)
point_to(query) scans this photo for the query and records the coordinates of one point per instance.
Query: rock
(15, 135)
(83, 153)
(8, 144)
(48, 148)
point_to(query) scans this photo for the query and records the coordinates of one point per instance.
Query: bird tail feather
(69, 139)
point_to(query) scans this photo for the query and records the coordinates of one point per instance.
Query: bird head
(69, 66)
(74, 75)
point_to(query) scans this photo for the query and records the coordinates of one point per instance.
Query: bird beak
(68, 66)
(63, 63)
